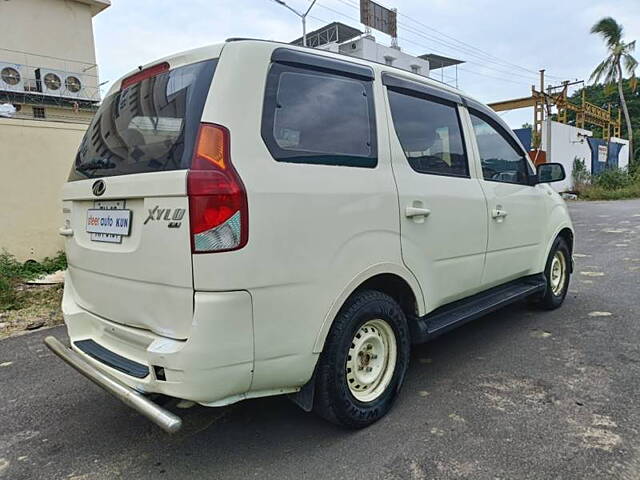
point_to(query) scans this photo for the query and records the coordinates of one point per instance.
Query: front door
(516, 209)
(443, 220)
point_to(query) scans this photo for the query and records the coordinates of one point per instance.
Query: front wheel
(557, 272)
(364, 361)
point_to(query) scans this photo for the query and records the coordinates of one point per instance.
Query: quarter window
(430, 134)
(501, 160)
(318, 117)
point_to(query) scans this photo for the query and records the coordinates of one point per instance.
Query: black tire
(551, 300)
(334, 400)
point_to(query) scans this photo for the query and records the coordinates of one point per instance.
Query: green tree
(610, 70)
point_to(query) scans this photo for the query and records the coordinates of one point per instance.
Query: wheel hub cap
(371, 360)
(558, 273)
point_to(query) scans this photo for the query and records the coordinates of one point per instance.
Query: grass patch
(36, 306)
(594, 192)
(23, 306)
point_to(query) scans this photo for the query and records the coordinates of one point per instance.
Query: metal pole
(304, 23)
(303, 16)
(304, 30)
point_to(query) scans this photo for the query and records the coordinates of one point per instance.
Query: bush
(580, 175)
(612, 184)
(613, 179)
(12, 269)
(8, 294)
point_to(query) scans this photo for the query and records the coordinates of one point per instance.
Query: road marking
(592, 274)
(600, 314)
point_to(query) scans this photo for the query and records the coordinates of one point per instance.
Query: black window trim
(505, 132)
(314, 158)
(398, 83)
(287, 56)
(442, 100)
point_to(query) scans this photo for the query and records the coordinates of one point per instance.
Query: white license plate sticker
(108, 225)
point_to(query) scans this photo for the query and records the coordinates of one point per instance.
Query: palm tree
(610, 69)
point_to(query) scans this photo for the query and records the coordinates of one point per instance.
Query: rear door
(126, 207)
(442, 207)
(516, 209)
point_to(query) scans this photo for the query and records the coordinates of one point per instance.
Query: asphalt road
(517, 394)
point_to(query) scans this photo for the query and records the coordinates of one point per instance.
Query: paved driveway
(518, 394)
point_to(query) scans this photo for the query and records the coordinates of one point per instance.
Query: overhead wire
(467, 70)
(462, 46)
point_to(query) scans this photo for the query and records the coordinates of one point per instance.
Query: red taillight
(218, 209)
(144, 74)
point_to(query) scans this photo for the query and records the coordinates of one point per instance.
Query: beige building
(48, 73)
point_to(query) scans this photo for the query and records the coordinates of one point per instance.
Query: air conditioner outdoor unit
(50, 82)
(11, 77)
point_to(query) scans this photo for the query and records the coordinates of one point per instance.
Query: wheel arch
(565, 232)
(391, 279)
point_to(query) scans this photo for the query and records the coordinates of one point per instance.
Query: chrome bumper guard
(166, 420)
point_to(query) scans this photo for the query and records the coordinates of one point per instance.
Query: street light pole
(303, 16)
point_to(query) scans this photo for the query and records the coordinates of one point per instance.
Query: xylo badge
(165, 215)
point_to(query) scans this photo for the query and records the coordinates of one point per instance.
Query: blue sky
(504, 42)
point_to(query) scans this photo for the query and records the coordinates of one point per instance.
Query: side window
(317, 117)
(430, 134)
(501, 160)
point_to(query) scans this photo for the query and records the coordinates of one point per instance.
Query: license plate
(109, 222)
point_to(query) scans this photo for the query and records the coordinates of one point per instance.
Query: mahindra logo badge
(98, 188)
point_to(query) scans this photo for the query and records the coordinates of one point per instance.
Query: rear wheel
(557, 273)
(364, 361)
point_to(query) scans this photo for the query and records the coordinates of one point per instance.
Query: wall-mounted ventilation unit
(50, 82)
(65, 85)
(11, 77)
(75, 87)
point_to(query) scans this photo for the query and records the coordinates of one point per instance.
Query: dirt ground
(39, 307)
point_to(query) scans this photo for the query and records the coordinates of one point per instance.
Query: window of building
(38, 112)
(318, 117)
(389, 60)
(415, 69)
(502, 160)
(430, 134)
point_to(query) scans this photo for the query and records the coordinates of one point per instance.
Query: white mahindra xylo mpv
(253, 219)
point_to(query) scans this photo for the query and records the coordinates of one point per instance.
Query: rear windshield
(150, 126)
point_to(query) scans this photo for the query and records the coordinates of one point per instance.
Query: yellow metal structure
(541, 101)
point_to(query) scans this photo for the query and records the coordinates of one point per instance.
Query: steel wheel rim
(371, 360)
(558, 273)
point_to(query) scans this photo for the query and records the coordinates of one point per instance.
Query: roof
(334, 32)
(438, 61)
(96, 5)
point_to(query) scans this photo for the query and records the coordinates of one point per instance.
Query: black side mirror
(550, 172)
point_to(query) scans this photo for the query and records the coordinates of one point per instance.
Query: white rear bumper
(214, 363)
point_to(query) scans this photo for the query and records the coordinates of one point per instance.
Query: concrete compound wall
(35, 158)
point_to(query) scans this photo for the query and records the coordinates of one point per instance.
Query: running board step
(462, 311)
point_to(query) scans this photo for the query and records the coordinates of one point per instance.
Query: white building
(48, 74)
(340, 38)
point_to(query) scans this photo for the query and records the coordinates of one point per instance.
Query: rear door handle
(66, 232)
(410, 212)
(498, 213)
